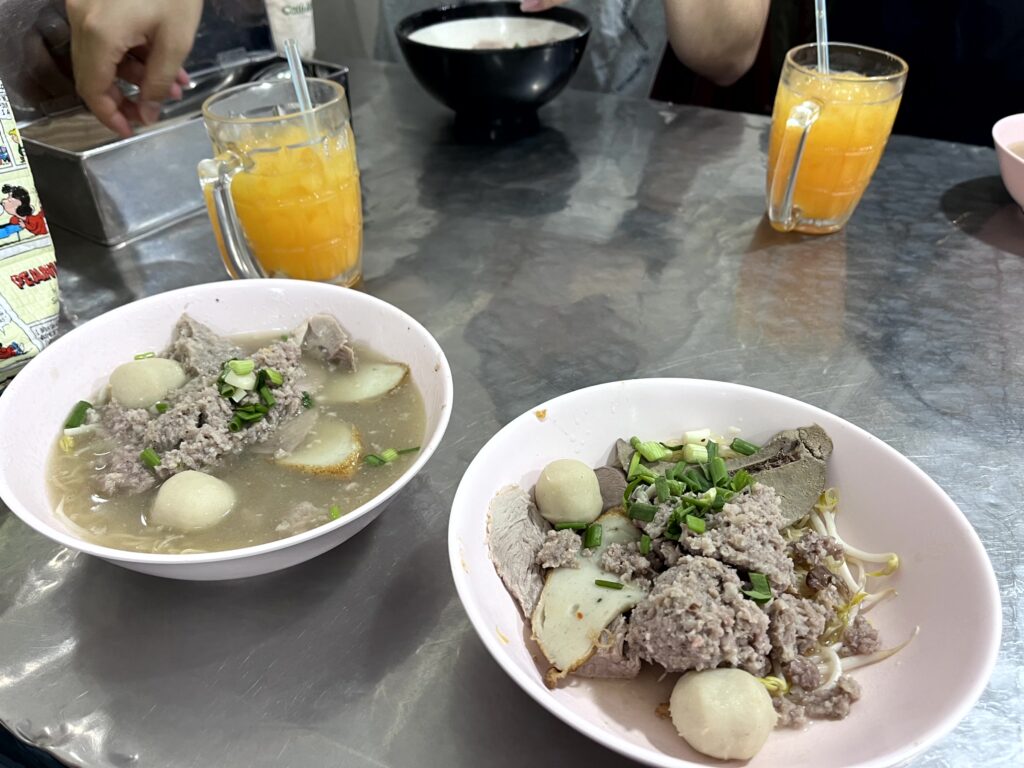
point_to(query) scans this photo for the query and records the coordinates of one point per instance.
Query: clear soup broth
(273, 500)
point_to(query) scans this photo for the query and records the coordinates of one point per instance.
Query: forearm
(718, 39)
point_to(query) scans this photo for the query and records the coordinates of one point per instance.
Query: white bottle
(292, 18)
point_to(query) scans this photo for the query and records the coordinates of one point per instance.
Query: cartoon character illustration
(5, 156)
(18, 203)
(11, 350)
(16, 142)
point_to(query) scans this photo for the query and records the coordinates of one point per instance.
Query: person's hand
(531, 6)
(139, 41)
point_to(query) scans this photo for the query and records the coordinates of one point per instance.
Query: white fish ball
(723, 713)
(191, 501)
(568, 492)
(142, 383)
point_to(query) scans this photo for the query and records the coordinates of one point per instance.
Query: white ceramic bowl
(1010, 130)
(946, 585)
(37, 402)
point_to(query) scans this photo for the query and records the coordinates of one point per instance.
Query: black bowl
(494, 88)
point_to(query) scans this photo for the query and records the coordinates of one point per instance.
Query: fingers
(115, 111)
(94, 78)
(132, 69)
(168, 48)
(532, 6)
(106, 32)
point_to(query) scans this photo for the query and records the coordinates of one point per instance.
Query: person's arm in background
(717, 39)
(141, 41)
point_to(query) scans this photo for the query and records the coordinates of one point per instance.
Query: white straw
(821, 26)
(291, 51)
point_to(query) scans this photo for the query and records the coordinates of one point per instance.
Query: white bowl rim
(650, 756)
(1000, 126)
(153, 558)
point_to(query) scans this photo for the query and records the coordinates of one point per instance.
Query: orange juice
(844, 143)
(299, 205)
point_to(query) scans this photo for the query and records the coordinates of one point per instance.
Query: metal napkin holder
(111, 190)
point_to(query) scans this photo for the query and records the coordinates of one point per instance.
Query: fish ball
(191, 501)
(142, 383)
(723, 713)
(568, 492)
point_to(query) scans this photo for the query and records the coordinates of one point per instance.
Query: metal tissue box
(111, 190)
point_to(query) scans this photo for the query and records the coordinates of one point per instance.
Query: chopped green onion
(634, 466)
(716, 467)
(694, 454)
(145, 355)
(77, 416)
(241, 367)
(645, 544)
(741, 446)
(646, 475)
(334, 512)
(695, 524)
(252, 408)
(274, 377)
(673, 531)
(150, 458)
(161, 407)
(696, 437)
(712, 447)
(609, 584)
(266, 397)
(759, 581)
(235, 425)
(644, 512)
(592, 538)
(570, 526)
(740, 480)
(651, 450)
(706, 500)
(246, 381)
(628, 493)
(762, 590)
(307, 400)
(694, 481)
(679, 514)
(661, 486)
(386, 456)
(676, 488)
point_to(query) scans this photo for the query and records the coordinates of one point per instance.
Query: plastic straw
(821, 27)
(291, 51)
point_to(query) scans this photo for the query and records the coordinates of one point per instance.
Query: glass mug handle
(216, 176)
(787, 163)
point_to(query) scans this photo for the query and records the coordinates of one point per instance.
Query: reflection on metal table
(537, 266)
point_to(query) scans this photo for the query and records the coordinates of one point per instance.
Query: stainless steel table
(624, 240)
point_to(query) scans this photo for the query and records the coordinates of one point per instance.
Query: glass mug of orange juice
(283, 188)
(828, 133)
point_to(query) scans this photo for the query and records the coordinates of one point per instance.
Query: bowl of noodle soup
(886, 503)
(78, 365)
